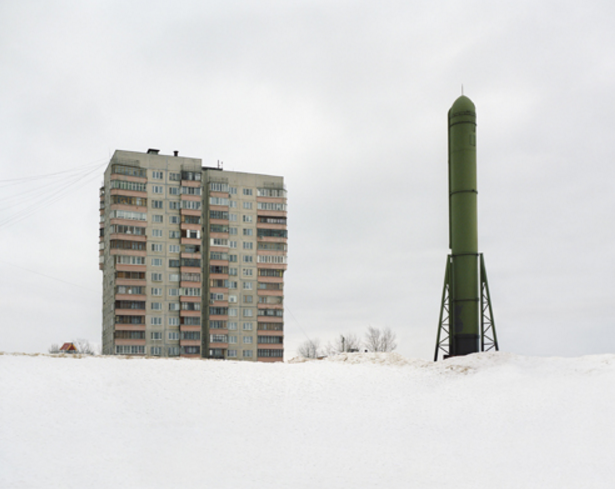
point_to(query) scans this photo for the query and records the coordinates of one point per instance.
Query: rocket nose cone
(463, 104)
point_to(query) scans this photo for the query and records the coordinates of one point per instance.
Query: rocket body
(464, 299)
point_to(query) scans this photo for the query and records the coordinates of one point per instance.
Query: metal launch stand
(488, 336)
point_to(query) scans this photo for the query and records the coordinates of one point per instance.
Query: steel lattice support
(488, 336)
(489, 339)
(443, 339)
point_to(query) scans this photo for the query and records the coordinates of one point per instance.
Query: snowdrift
(355, 420)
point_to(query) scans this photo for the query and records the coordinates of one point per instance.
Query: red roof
(68, 347)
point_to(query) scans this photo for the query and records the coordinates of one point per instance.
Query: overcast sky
(348, 101)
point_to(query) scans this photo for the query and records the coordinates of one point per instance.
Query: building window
(232, 312)
(174, 177)
(232, 217)
(157, 262)
(247, 313)
(174, 306)
(247, 272)
(232, 272)
(157, 175)
(232, 353)
(173, 351)
(276, 259)
(248, 245)
(232, 284)
(134, 186)
(232, 339)
(271, 192)
(218, 201)
(248, 258)
(247, 205)
(247, 285)
(173, 190)
(218, 242)
(247, 299)
(270, 206)
(174, 219)
(232, 244)
(156, 335)
(246, 218)
(157, 189)
(174, 234)
(157, 218)
(157, 277)
(233, 204)
(191, 175)
(174, 205)
(271, 353)
(173, 263)
(232, 190)
(218, 338)
(247, 353)
(156, 291)
(173, 292)
(173, 321)
(156, 247)
(129, 260)
(173, 248)
(191, 190)
(231, 298)
(248, 232)
(232, 325)
(232, 231)
(173, 277)
(157, 204)
(157, 233)
(173, 335)
(218, 187)
(155, 321)
(133, 171)
(247, 340)
(156, 306)
(232, 258)
(130, 215)
(129, 350)
(190, 204)
(247, 191)
(247, 326)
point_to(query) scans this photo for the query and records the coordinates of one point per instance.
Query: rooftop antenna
(462, 89)
(220, 164)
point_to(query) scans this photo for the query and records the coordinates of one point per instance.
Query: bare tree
(84, 347)
(372, 339)
(309, 348)
(388, 340)
(343, 343)
(54, 348)
(377, 339)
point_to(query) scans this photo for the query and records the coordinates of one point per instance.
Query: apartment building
(193, 259)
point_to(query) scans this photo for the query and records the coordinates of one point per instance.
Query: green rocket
(466, 318)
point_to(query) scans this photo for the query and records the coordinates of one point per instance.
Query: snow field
(358, 420)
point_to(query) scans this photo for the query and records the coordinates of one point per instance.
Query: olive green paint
(465, 299)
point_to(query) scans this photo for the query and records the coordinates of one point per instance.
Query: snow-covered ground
(359, 420)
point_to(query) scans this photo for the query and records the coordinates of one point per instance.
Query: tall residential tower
(193, 259)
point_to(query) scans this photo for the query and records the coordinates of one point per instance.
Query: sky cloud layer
(348, 101)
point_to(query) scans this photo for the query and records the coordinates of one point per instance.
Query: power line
(48, 276)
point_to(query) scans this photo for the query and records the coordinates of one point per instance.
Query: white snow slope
(361, 420)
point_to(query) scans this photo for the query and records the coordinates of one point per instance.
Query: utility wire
(48, 276)
(89, 174)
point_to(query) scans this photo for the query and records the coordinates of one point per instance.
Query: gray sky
(347, 100)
